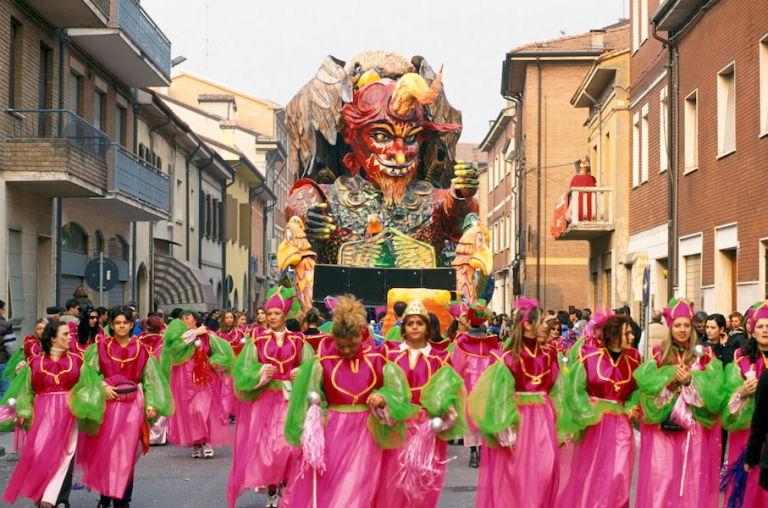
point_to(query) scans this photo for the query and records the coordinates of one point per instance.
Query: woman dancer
(263, 373)
(359, 390)
(597, 384)
(152, 336)
(510, 404)
(681, 395)
(439, 392)
(199, 360)
(88, 331)
(229, 332)
(311, 324)
(260, 323)
(118, 429)
(741, 377)
(470, 357)
(39, 395)
(242, 323)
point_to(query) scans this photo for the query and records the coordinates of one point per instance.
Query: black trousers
(118, 503)
(66, 486)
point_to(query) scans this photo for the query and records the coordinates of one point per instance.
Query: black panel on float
(439, 278)
(402, 278)
(330, 280)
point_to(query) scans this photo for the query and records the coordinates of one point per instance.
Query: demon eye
(410, 140)
(381, 137)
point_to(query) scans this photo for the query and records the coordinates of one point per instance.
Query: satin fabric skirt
(390, 492)
(46, 448)
(352, 467)
(260, 455)
(199, 416)
(662, 483)
(601, 470)
(527, 476)
(108, 458)
(228, 397)
(470, 369)
(754, 496)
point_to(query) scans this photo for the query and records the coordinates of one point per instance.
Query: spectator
(700, 324)
(586, 314)
(72, 307)
(735, 323)
(137, 320)
(103, 314)
(636, 331)
(212, 321)
(54, 313)
(8, 345)
(176, 313)
(584, 178)
(394, 333)
(657, 331)
(293, 325)
(579, 322)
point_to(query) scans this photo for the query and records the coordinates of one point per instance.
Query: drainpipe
(223, 231)
(57, 204)
(538, 184)
(187, 161)
(132, 265)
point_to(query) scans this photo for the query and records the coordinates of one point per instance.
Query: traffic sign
(101, 274)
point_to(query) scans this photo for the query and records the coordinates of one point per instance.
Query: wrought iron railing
(58, 124)
(140, 28)
(137, 179)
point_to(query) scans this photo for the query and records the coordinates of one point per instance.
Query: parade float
(380, 202)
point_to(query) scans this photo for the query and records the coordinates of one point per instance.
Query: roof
(673, 14)
(234, 91)
(497, 127)
(616, 36)
(599, 76)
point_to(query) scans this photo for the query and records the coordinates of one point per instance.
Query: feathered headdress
(524, 306)
(458, 308)
(677, 308)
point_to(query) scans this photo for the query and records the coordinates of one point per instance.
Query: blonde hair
(667, 351)
(348, 317)
(535, 316)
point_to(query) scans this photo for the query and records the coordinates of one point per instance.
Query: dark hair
(85, 332)
(434, 325)
(751, 350)
(554, 324)
(312, 318)
(153, 324)
(563, 317)
(700, 317)
(194, 314)
(176, 313)
(719, 320)
(100, 311)
(49, 333)
(293, 325)
(2, 305)
(72, 303)
(224, 316)
(399, 308)
(115, 312)
(426, 322)
(453, 329)
(612, 329)
(578, 314)
(587, 309)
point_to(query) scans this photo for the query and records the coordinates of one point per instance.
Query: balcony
(73, 13)
(55, 153)
(136, 188)
(132, 47)
(584, 213)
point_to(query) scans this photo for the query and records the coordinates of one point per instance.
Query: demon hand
(320, 222)
(465, 180)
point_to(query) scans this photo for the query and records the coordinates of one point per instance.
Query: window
(726, 111)
(636, 150)
(117, 248)
(764, 86)
(503, 233)
(179, 201)
(74, 239)
(643, 21)
(635, 24)
(15, 277)
(121, 115)
(99, 110)
(14, 65)
(644, 145)
(45, 78)
(693, 278)
(215, 219)
(76, 93)
(98, 243)
(691, 132)
(663, 130)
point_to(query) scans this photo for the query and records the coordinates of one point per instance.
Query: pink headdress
(330, 302)
(280, 298)
(677, 308)
(594, 329)
(526, 306)
(755, 313)
(458, 308)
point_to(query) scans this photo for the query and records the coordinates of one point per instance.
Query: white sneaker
(273, 501)
(197, 452)
(207, 451)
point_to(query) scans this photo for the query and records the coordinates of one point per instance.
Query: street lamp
(179, 59)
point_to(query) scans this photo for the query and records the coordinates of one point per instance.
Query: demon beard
(394, 189)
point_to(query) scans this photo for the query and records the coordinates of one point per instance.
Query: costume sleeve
(157, 390)
(308, 380)
(397, 394)
(445, 390)
(175, 350)
(580, 411)
(562, 390)
(738, 411)
(21, 391)
(221, 353)
(10, 367)
(651, 382)
(709, 385)
(247, 373)
(491, 402)
(394, 334)
(87, 400)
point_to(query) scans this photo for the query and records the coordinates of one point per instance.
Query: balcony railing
(583, 213)
(58, 124)
(137, 179)
(140, 28)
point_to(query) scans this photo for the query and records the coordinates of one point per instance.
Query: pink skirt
(662, 456)
(108, 458)
(45, 450)
(754, 496)
(390, 492)
(601, 471)
(260, 455)
(228, 397)
(470, 368)
(352, 467)
(528, 475)
(199, 417)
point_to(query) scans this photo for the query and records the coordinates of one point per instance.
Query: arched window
(98, 243)
(117, 249)
(74, 238)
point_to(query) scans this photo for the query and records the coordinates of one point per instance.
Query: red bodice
(233, 337)
(606, 378)
(315, 339)
(419, 370)
(535, 369)
(153, 342)
(285, 358)
(477, 345)
(49, 375)
(128, 361)
(31, 346)
(350, 381)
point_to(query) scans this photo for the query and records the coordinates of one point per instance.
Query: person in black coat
(757, 453)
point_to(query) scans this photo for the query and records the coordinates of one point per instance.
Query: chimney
(598, 38)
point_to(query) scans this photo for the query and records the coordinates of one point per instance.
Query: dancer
(117, 430)
(413, 474)
(510, 404)
(681, 395)
(242, 323)
(152, 339)
(312, 334)
(200, 359)
(87, 331)
(260, 323)
(39, 394)
(741, 378)
(229, 332)
(261, 458)
(470, 357)
(436, 338)
(598, 381)
(365, 397)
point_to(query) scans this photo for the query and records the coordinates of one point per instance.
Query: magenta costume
(52, 438)
(599, 385)
(236, 339)
(530, 444)
(470, 357)
(109, 455)
(261, 456)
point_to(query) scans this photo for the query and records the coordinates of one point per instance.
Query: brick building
(719, 57)
(538, 81)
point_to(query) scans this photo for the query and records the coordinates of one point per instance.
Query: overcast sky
(270, 48)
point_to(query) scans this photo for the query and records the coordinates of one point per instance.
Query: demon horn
(411, 89)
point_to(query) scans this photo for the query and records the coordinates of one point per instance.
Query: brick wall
(731, 188)
(58, 156)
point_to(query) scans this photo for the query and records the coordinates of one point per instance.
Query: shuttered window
(15, 277)
(726, 111)
(244, 225)
(693, 278)
(636, 150)
(691, 132)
